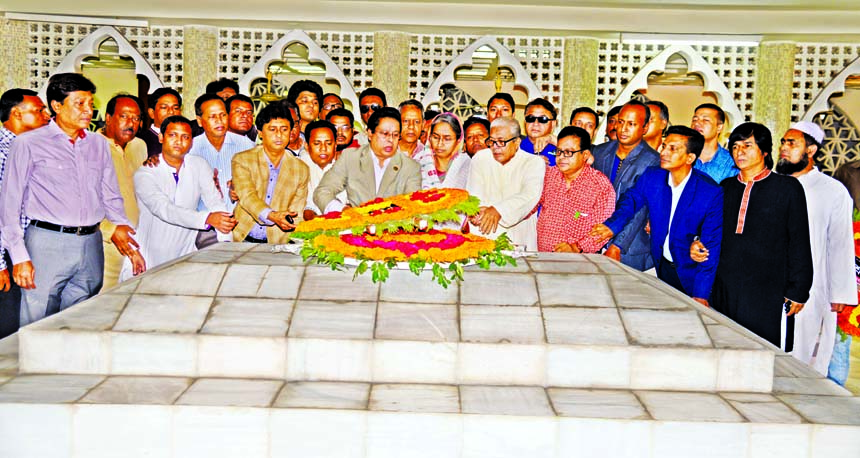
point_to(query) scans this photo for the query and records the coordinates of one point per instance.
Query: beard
(784, 167)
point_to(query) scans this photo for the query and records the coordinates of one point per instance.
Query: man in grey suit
(377, 169)
(623, 161)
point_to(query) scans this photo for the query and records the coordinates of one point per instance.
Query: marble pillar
(14, 47)
(580, 75)
(391, 65)
(774, 80)
(199, 63)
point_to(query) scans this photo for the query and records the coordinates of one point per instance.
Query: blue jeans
(69, 269)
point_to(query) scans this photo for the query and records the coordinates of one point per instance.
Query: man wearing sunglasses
(540, 123)
(509, 183)
(369, 101)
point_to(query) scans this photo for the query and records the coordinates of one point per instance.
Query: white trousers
(815, 319)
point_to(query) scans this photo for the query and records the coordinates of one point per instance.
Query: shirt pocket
(53, 175)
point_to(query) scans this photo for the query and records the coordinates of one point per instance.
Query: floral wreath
(381, 233)
(401, 212)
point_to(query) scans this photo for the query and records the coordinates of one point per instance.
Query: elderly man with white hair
(509, 182)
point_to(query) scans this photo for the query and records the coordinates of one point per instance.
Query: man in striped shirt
(218, 146)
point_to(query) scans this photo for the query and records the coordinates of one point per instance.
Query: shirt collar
(761, 176)
(683, 182)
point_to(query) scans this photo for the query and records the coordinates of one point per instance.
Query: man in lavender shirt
(65, 180)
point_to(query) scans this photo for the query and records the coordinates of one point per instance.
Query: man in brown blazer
(377, 169)
(272, 186)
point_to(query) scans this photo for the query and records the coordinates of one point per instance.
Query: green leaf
(360, 269)
(440, 277)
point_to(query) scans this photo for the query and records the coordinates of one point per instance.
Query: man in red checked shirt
(575, 197)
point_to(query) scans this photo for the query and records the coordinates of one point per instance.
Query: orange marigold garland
(394, 213)
(381, 252)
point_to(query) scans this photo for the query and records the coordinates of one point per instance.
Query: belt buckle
(78, 231)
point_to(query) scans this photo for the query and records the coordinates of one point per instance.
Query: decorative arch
(89, 46)
(506, 59)
(841, 136)
(695, 64)
(836, 86)
(315, 54)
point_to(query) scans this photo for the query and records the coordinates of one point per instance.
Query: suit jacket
(633, 241)
(699, 213)
(354, 173)
(251, 179)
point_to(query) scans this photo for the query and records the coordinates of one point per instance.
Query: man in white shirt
(167, 196)
(832, 241)
(509, 182)
(321, 144)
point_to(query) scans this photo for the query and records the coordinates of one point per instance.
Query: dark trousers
(666, 271)
(10, 304)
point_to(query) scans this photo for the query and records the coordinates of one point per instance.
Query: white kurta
(169, 219)
(833, 281)
(514, 189)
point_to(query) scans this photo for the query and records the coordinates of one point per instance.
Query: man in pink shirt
(64, 177)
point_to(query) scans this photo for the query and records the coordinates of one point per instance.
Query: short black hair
(313, 125)
(152, 99)
(430, 114)
(111, 105)
(760, 134)
(382, 113)
(198, 104)
(238, 98)
(636, 103)
(331, 94)
(502, 96)
(372, 91)
(412, 103)
(219, 85)
(342, 112)
(710, 106)
(695, 140)
(274, 111)
(175, 119)
(476, 120)
(613, 112)
(584, 110)
(11, 99)
(664, 110)
(305, 86)
(62, 84)
(578, 132)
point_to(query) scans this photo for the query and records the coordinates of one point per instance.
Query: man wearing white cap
(831, 238)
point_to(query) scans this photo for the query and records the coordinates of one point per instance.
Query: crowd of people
(769, 247)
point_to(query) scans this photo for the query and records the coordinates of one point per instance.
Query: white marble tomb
(239, 352)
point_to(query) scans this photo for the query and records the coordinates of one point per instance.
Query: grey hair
(510, 123)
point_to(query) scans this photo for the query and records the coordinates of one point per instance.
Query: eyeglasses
(343, 128)
(332, 106)
(393, 136)
(371, 107)
(500, 143)
(541, 119)
(567, 152)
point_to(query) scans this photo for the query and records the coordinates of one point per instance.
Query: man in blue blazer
(683, 204)
(622, 161)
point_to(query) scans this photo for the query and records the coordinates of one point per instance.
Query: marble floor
(238, 351)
